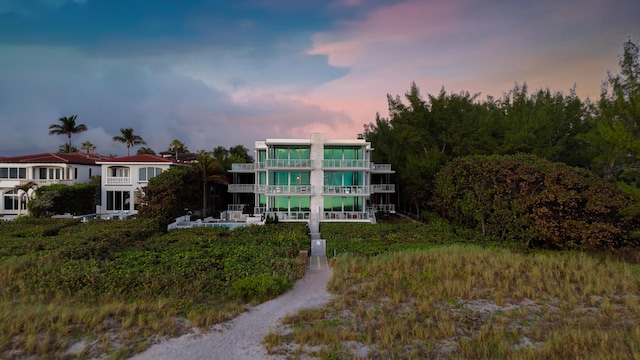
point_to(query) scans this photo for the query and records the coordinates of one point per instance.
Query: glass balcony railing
(341, 163)
(288, 163)
(342, 190)
(383, 188)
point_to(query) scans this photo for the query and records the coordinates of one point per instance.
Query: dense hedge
(535, 201)
(78, 199)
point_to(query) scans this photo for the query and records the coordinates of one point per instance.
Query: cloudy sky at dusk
(213, 73)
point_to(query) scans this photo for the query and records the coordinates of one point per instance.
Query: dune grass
(463, 301)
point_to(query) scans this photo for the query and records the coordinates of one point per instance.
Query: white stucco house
(313, 180)
(124, 178)
(40, 170)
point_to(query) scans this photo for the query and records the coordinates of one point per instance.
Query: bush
(533, 201)
(261, 287)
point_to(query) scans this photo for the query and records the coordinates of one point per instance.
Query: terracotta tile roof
(140, 158)
(68, 158)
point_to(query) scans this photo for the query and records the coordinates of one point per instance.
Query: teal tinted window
(349, 154)
(262, 178)
(262, 201)
(300, 178)
(262, 155)
(279, 178)
(348, 203)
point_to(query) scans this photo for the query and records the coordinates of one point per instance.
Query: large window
(291, 203)
(13, 173)
(340, 203)
(117, 171)
(146, 173)
(11, 201)
(340, 178)
(118, 200)
(343, 153)
(290, 152)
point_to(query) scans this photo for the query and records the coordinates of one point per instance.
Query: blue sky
(213, 73)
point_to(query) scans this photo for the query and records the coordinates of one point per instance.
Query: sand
(241, 338)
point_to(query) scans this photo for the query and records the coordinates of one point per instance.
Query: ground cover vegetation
(438, 296)
(84, 290)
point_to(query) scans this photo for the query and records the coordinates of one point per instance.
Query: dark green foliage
(260, 287)
(534, 201)
(369, 239)
(132, 260)
(54, 199)
(167, 195)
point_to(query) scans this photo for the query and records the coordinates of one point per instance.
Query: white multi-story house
(39, 170)
(124, 179)
(315, 180)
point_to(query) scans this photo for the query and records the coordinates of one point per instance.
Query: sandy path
(241, 337)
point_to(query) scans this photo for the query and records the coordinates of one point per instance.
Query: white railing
(390, 208)
(383, 188)
(290, 215)
(381, 167)
(235, 207)
(345, 215)
(286, 189)
(353, 190)
(365, 164)
(44, 182)
(288, 163)
(241, 188)
(118, 180)
(243, 167)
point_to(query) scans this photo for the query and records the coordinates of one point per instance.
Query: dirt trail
(241, 337)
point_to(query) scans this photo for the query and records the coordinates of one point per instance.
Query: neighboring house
(42, 169)
(313, 179)
(124, 179)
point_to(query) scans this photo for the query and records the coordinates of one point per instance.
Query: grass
(461, 301)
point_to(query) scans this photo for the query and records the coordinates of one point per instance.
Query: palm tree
(209, 170)
(88, 147)
(67, 148)
(129, 138)
(178, 147)
(25, 192)
(67, 127)
(145, 150)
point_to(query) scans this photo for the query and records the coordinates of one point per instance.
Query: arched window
(11, 201)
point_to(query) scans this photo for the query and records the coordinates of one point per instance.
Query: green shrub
(533, 201)
(261, 287)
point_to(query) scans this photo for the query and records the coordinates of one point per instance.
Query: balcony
(346, 190)
(241, 188)
(243, 167)
(381, 168)
(390, 208)
(287, 189)
(345, 215)
(288, 164)
(118, 180)
(346, 164)
(45, 182)
(383, 188)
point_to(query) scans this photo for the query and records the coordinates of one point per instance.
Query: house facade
(124, 178)
(315, 179)
(40, 170)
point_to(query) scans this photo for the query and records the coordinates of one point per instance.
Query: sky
(222, 73)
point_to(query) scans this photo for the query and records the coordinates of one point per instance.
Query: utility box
(319, 247)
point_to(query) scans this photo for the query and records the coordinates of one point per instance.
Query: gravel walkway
(241, 338)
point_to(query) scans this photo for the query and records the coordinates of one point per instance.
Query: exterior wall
(120, 191)
(346, 197)
(61, 173)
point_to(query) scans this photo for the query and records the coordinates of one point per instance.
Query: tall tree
(616, 126)
(129, 138)
(88, 147)
(208, 170)
(178, 147)
(67, 126)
